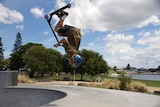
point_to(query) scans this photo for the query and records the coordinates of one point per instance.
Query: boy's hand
(56, 45)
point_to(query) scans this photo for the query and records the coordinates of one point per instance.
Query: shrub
(110, 84)
(139, 87)
(120, 72)
(114, 84)
(71, 83)
(23, 78)
(124, 80)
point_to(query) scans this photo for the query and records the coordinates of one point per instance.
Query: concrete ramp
(28, 97)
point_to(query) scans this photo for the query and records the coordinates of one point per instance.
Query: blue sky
(122, 31)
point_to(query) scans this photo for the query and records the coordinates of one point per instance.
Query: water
(143, 76)
(146, 77)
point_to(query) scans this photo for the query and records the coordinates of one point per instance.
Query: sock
(63, 17)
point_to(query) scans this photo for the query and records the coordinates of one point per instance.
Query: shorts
(69, 49)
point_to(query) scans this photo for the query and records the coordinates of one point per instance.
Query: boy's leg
(59, 25)
(62, 17)
(76, 40)
(71, 51)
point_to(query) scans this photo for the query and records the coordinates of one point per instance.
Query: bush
(23, 78)
(120, 72)
(114, 84)
(124, 81)
(71, 83)
(137, 86)
(110, 84)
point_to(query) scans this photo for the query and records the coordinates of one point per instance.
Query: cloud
(8, 16)
(45, 33)
(144, 53)
(118, 43)
(90, 44)
(21, 27)
(104, 15)
(7, 53)
(48, 42)
(151, 39)
(152, 20)
(37, 12)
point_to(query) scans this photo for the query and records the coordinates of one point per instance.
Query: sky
(123, 31)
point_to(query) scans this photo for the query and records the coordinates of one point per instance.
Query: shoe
(64, 13)
(61, 13)
(58, 14)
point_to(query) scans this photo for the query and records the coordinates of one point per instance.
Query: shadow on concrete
(28, 97)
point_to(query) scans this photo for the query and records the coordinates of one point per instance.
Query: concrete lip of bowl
(28, 97)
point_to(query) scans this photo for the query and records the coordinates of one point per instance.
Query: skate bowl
(28, 97)
(36, 95)
(13, 96)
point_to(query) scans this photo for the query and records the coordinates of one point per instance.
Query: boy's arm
(61, 41)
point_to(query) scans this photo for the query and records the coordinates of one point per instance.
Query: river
(143, 76)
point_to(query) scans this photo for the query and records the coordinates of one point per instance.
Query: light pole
(74, 74)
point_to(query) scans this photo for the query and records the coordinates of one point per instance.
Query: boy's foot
(62, 14)
(58, 14)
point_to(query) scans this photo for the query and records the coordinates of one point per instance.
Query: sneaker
(61, 13)
(64, 13)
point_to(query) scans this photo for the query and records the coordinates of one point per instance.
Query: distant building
(152, 70)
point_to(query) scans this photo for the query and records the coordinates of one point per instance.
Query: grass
(86, 77)
(150, 83)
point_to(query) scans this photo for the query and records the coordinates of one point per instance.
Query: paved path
(76, 96)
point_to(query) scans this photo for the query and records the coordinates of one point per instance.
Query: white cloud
(45, 32)
(7, 53)
(150, 39)
(8, 16)
(121, 51)
(103, 15)
(21, 27)
(152, 20)
(90, 44)
(37, 12)
(48, 42)
(118, 43)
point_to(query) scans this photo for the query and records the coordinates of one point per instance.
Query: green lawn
(150, 83)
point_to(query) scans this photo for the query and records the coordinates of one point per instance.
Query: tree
(18, 42)
(16, 59)
(128, 67)
(1, 55)
(158, 68)
(38, 58)
(6, 63)
(92, 64)
(115, 69)
(1, 49)
(42, 60)
(1, 64)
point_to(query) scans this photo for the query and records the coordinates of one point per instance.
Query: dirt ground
(151, 89)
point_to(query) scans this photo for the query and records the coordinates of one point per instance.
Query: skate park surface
(33, 95)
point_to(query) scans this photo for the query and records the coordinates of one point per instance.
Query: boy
(73, 34)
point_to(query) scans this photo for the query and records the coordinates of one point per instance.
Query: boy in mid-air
(73, 34)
